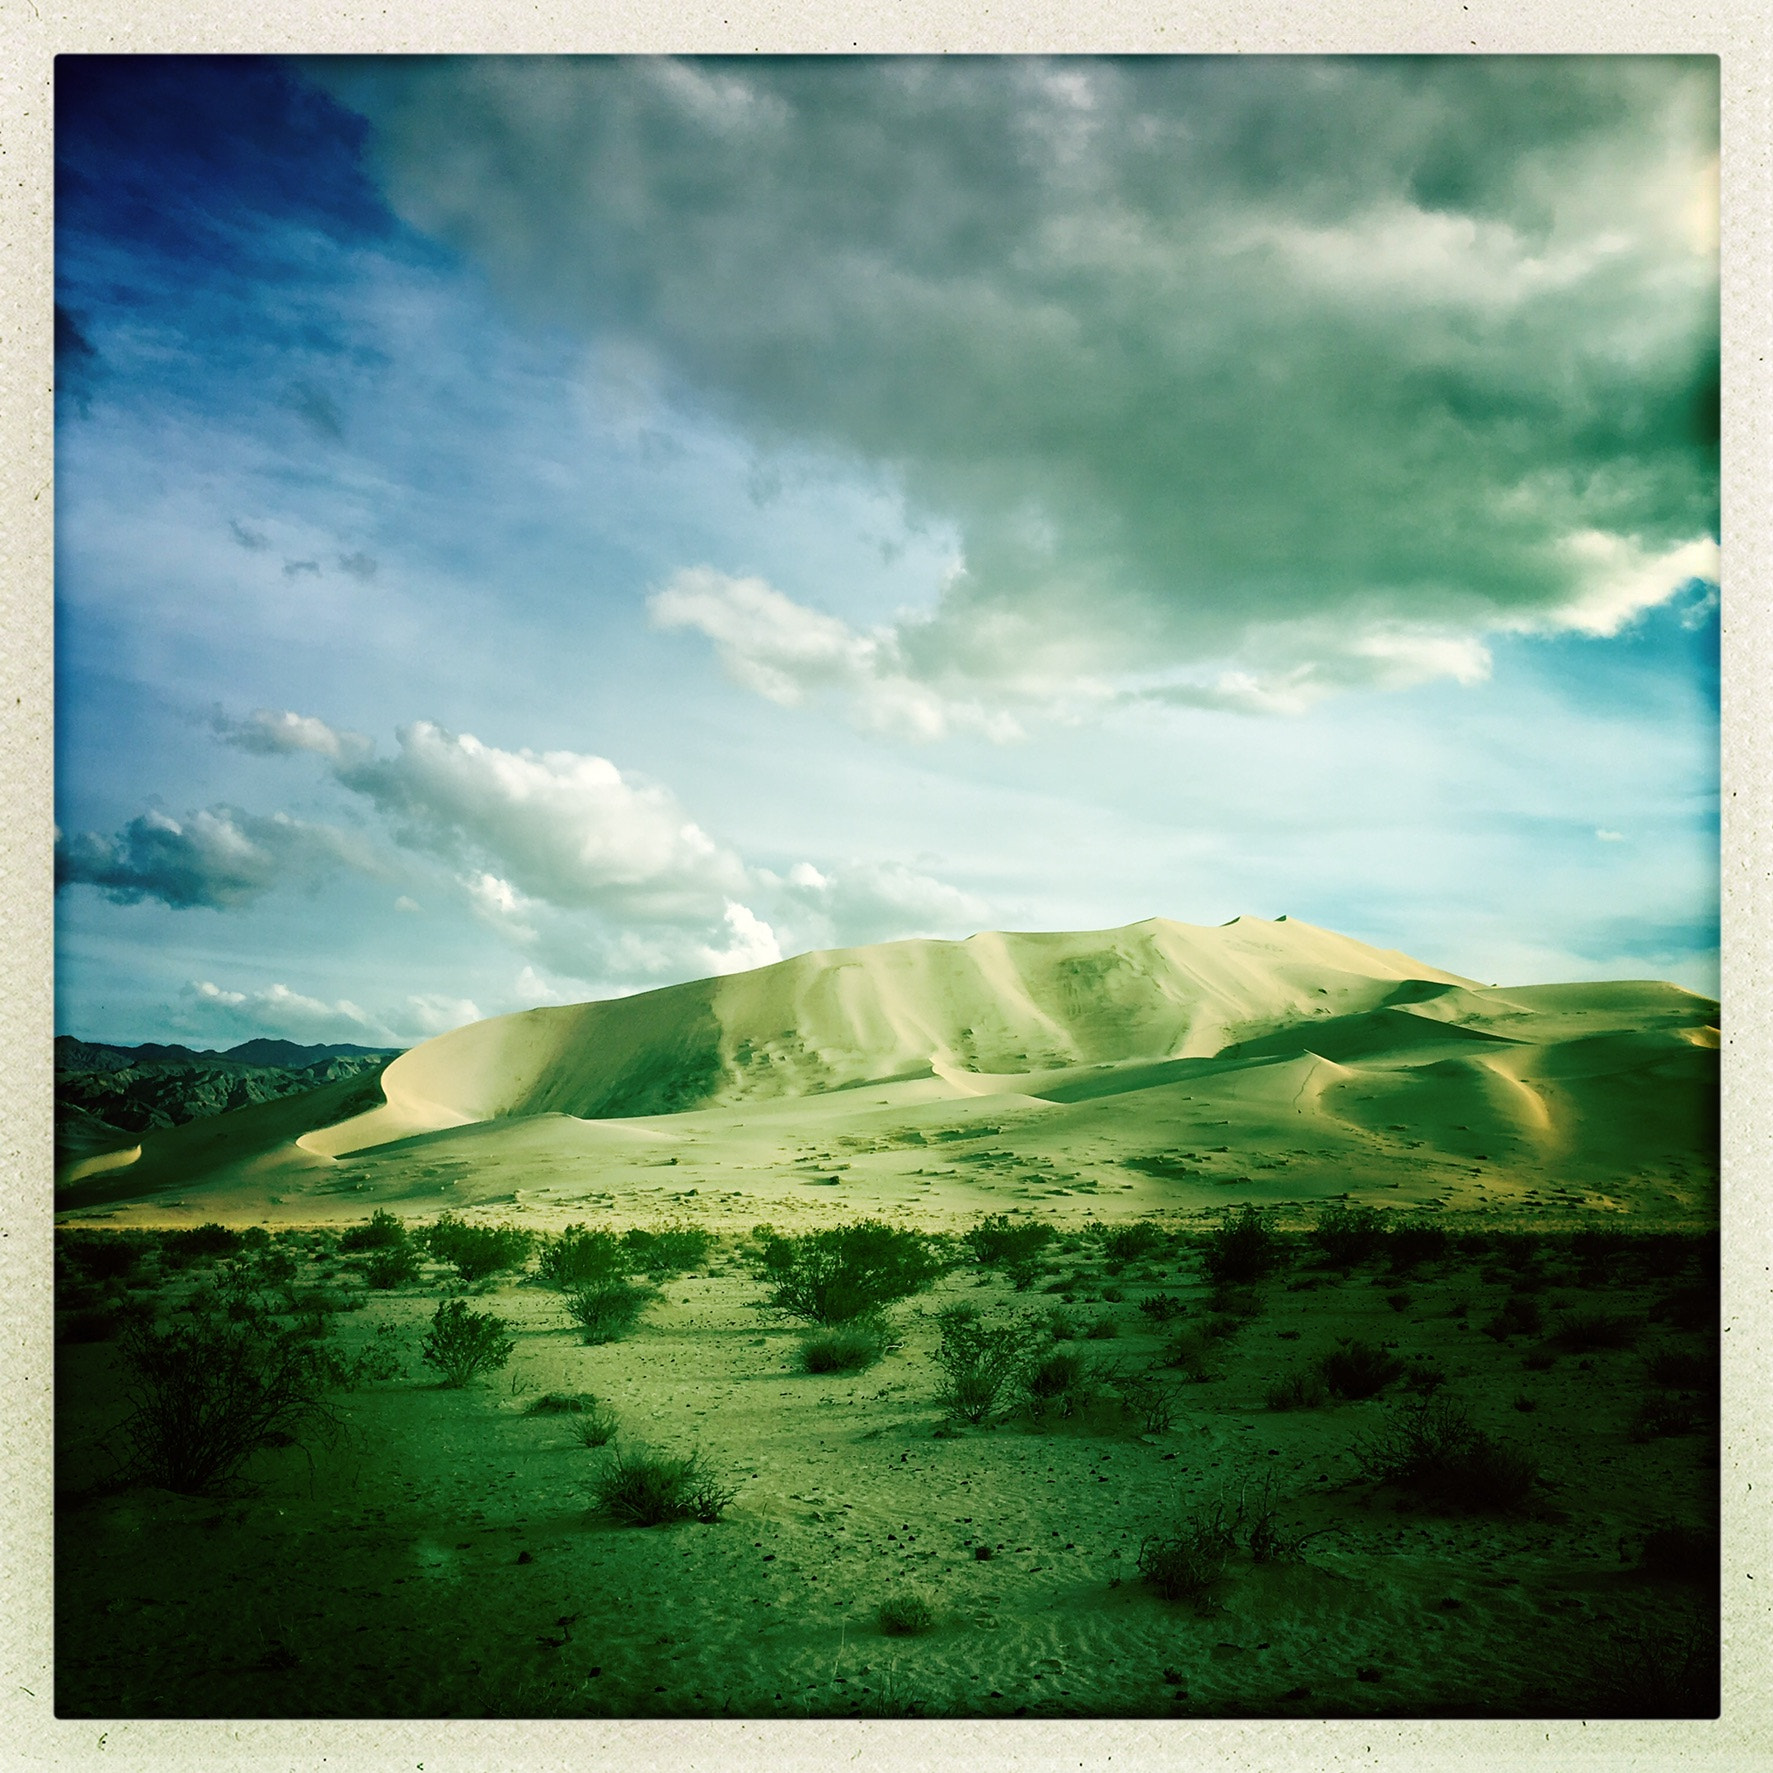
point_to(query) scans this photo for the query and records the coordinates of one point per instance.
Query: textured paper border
(32, 32)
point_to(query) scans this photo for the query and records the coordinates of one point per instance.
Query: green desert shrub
(1678, 1370)
(380, 1231)
(641, 1488)
(1242, 1303)
(849, 1348)
(606, 1311)
(1162, 1308)
(1414, 1243)
(982, 1362)
(1431, 1447)
(562, 1403)
(1059, 1383)
(461, 1343)
(845, 1272)
(1137, 1242)
(208, 1390)
(393, 1265)
(198, 1243)
(905, 1615)
(1183, 1564)
(1520, 1316)
(1664, 1669)
(1665, 1413)
(999, 1241)
(1242, 1248)
(1102, 1329)
(1189, 1352)
(1347, 1236)
(596, 1427)
(666, 1249)
(476, 1252)
(1303, 1390)
(1424, 1377)
(1586, 1331)
(580, 1257)
(105, 1256)
(1148, 1399)
(1061, 1324)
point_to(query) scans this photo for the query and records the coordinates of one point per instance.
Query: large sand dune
(1157, 1065)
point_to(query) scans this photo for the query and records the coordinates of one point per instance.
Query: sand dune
(1160, 1065)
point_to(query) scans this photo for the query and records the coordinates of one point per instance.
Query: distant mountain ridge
(107, 1096)
(73, 1054)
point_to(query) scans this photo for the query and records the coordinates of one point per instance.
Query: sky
(535, 530)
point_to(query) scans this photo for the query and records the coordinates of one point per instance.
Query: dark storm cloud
(220, 857)
(1307, 373)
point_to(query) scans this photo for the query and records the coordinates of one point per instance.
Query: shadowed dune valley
(1154, 1322)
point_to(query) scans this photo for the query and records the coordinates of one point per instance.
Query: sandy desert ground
(439, 1552)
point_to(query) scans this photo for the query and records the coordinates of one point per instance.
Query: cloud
(786, 652)
(280, 1011)
(864, 902)
(269, 733)
(220, 857)
(564, 827)
(1242, 381)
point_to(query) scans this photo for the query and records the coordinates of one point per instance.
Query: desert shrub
(1060, 1382)
(1189, 1352)
(592, 1423)
(844, 1272)
(1357, 1369)
(847, 1349)
(199, 1243)
(1517, 1250)
(380, 1231)
(1298, 1391)
(1519, 1316)
(1661, 1255)
(1400, 1301)
(1241, 1303)
(394, 1265)
(1679, 1554)
(1678, 1370)
(1102, 1329)
(1595, 1247)
(1660, 1671)
(379, 1360)
(981, 1361)
(562, 1403)
(606, 1311)
(1184, 1563)
(1691, 1308)
(462, 1343)
(999, 1241)
(1424, 1377)
(1243, 1247)
(1137, 1242)
(1162, 1308)
(1585, 1331)
(1346, 1236)
(1061, 1324)
(1411, 1244)
(1148, 1400)
(1023, 1275)
(1665, 1413)
(476, 1252)
(905, 1616)
(578, 1257)
(207, 1391)
(273, 1266)
(641, 1488)
(106, 1256)
(596, 1427)
(1432, 1447)
(667, 1249)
